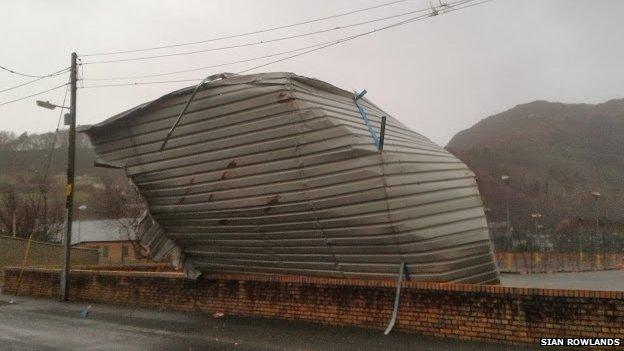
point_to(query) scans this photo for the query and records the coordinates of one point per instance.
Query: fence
(543, 262)
(40, 254)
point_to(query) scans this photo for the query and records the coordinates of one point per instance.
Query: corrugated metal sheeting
(278, 173)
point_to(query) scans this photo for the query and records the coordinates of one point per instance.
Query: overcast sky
(439, 76)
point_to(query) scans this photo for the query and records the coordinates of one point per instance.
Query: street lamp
(536, 217)
(596, 196)
(49, 105)
(80, 209)
(507, 180)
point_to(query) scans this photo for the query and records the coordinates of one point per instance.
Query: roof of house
(98, 230)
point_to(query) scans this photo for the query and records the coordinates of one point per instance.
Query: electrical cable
(81, 75)
(35, 80)
(449, 8)
(212, 66)
(340, 41)
(248, 33)
(29, 96)
(43, 184)
(34, 76)
(452, 9)
(313, 48)
(48, 160)
(261, 42)
(140, 83)
(239, 61)
(260, 57)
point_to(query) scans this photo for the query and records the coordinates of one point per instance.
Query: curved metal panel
(278, 173)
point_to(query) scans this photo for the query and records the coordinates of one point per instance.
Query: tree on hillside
(25, 214)
(8, 215)
(33, 182)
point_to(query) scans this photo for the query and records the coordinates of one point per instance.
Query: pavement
(611, 280)
(41, 324)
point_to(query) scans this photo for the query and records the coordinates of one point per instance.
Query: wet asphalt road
(38, 324)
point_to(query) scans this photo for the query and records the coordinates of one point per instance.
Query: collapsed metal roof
(278, 173)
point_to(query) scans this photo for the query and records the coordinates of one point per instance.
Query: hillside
(32, 183)
(555, 153)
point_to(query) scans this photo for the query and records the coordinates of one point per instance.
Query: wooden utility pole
(69, 189)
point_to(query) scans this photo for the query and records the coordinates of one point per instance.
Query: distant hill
(555, 153)
(33, 177)
(26, 157)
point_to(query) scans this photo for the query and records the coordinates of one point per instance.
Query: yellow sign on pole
(68, 189)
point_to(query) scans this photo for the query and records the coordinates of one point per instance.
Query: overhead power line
(29, 96)
(312, 48)
(35, 80)
(260, 42)
(32, 75)
(141, 83)
(248, 33)
(442, 9)
(419, 18)
(211, 66)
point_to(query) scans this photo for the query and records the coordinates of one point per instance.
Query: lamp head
(46, 104)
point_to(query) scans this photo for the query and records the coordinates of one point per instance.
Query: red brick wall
(476, 312)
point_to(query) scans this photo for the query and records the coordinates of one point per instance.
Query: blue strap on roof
(365, 118)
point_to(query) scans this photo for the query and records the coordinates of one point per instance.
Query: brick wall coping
(124, 267)
(492, 289)
(145, 274)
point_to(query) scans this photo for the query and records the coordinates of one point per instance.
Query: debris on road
(85, 312)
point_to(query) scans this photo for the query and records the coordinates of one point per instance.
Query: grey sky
(438, 76)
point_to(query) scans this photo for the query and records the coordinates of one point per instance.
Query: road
(597, 280)
(38, 324)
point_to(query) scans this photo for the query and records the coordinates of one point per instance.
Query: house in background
(115, 239)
